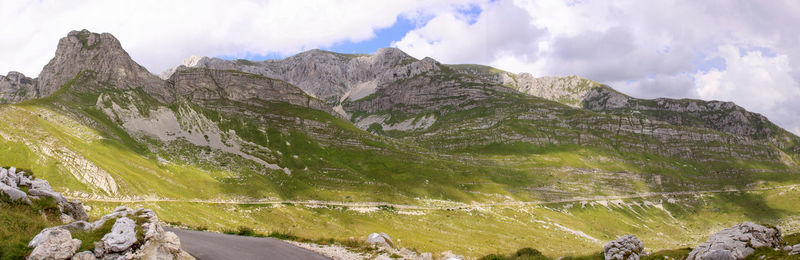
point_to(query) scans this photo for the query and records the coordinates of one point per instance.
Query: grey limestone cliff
(102, 54)
(16, 87)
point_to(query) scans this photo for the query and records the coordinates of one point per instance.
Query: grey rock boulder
(85, 255)
(56, 244)
(380, 239)
(738, 241)
(795, 250)
(719, 255)
(24, 181)
(624, 248)
(48, 193)
(13, 193)
(40, 184)
(80, 225)
(11, 178)
(165, 245)
(73, 209)
(121, 237)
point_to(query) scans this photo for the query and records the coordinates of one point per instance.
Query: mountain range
(383, 127)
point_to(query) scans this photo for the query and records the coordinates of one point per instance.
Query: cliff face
(326, 75)
(204, 86)
(448, 111)
(16, 87)
(720, 116)
(102, 54)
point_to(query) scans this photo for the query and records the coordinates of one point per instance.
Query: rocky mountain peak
(102, 54)
(16, 77)
(16, 87)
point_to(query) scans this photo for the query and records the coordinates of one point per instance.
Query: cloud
(160, 34)
(501, 29)
(613, 55)
(672, 86)
(760, 83)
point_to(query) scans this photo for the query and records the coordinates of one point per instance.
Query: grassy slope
(21, 222)
(685, 221)
(347, 164)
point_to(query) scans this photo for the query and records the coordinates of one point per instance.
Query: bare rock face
(737, 242)
(55, 244)
(566, 90)
(717, 115)
(16, 87)
(326, 75)
(103, 55)
(205, 86)
(624, 248)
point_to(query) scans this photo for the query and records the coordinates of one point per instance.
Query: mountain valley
(462, 158)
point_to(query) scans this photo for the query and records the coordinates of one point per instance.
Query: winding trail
(458, 206)
(213, 246)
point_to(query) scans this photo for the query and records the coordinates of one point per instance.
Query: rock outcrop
(122, 242)
(11, 182)
(103, 55)
(569, 90)
(326, 75)
(624, 248)
(737, 242)
(16, 87)
(717, 115)
(380, 239)
(205, 86)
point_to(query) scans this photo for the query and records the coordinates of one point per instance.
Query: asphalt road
(213, 246)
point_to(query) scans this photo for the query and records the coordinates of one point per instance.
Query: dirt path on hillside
(455, 206)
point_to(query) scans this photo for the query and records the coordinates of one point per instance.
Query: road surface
(213, 246)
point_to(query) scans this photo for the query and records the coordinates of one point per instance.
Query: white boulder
(55, 244)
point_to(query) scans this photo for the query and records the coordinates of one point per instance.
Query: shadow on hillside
(754, 207)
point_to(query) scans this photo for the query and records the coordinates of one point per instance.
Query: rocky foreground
(736, 242)
(122, 234)
(20, 186)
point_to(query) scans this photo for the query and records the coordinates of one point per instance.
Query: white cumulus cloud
(160, 34)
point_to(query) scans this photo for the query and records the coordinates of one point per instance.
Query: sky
(747, 52)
